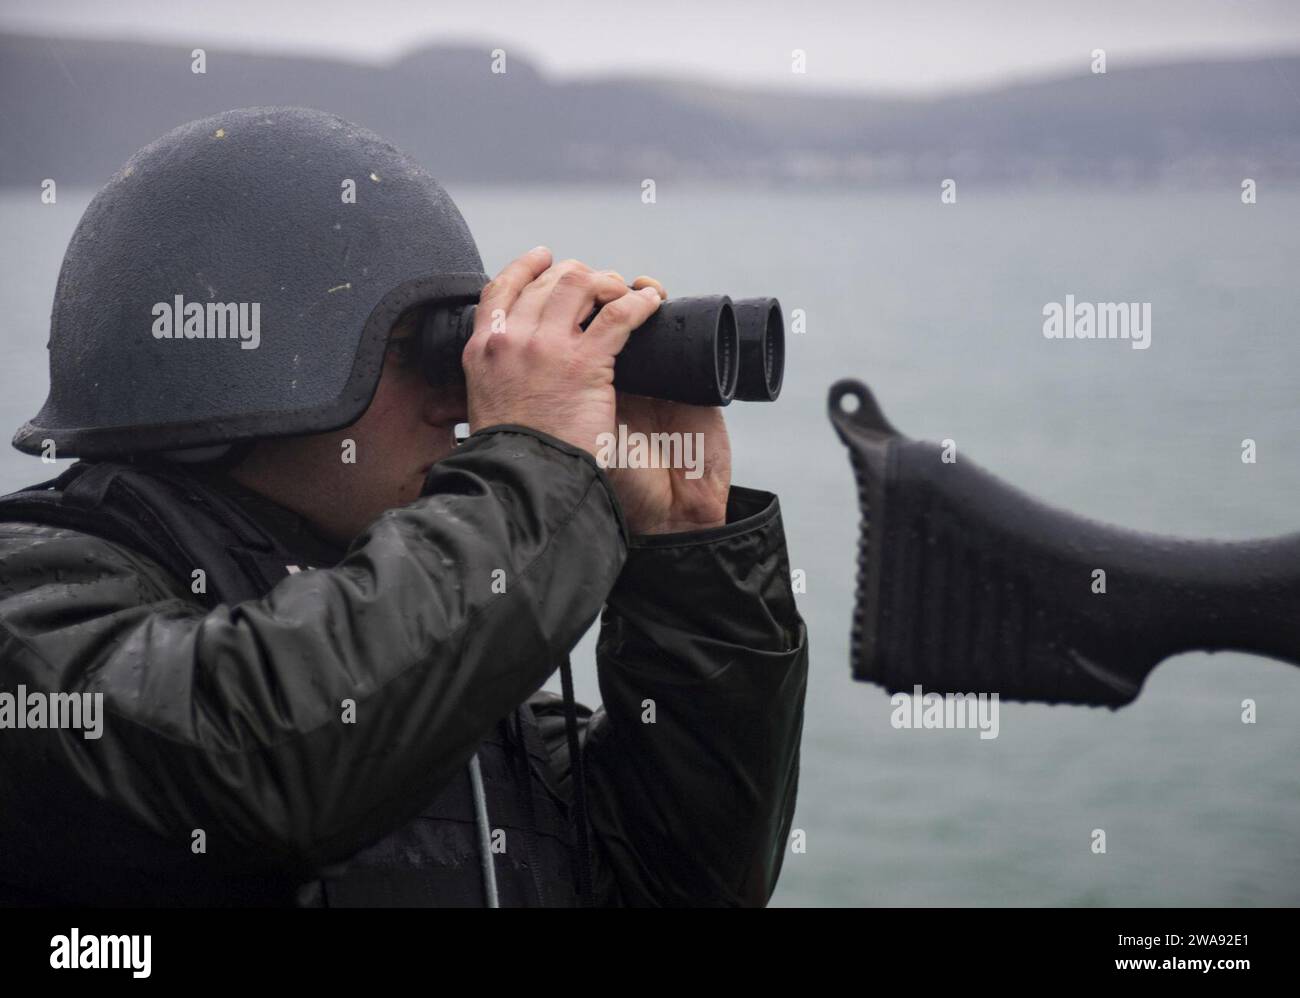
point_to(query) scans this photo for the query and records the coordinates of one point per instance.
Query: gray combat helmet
(226, 285)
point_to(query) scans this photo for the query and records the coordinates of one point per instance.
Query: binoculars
(701, 351)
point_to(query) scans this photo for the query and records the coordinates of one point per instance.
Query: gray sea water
(939, 309)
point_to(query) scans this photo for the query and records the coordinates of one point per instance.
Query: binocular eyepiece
(702, 351)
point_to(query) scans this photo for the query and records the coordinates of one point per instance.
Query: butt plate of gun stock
(965, 584)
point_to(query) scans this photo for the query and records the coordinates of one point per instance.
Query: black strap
(166, 516)
(579, 773)
(524, 787)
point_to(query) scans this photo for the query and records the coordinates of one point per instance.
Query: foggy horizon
(944, 48)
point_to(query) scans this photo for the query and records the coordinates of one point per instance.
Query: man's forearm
(693, 760)
(231, 720)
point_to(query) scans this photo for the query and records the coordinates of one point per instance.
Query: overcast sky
(919, 46)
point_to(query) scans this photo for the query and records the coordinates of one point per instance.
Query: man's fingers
(536, 293)
(575, 293)
(501, 293)
(645, 281)
(616, 319)
(532, 300)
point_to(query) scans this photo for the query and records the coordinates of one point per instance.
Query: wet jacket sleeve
(692, 761)
(236, 720)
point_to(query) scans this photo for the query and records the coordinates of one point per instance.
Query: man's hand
(665, 500)
(530, 362)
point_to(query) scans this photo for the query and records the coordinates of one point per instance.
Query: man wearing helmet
(318, 625)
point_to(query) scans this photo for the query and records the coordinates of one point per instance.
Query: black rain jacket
(309, 744)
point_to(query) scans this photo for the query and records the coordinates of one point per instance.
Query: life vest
(181, 522)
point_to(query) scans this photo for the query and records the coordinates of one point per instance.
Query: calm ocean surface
(939, 309)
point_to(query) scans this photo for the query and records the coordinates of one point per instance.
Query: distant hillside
(75, 110)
